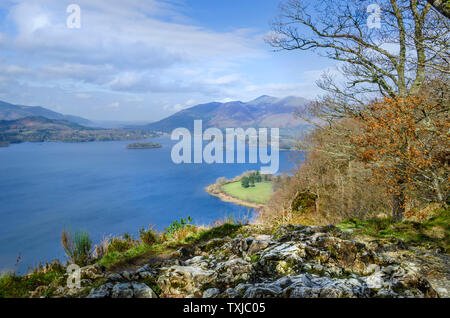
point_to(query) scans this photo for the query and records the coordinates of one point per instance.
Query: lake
(103, 188)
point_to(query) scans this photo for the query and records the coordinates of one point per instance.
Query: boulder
(122, 290)
(186, 280)
(234, 271)
(143, 291)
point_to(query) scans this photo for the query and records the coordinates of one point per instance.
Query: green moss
(303, 201)
(12, 286)
(433, 232)
(110, 259)
(116, 257)
(254, 258)
(221, 231)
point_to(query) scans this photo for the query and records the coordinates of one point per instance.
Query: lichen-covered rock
(186, 280)
(234, 271)
(103, 291)
(92, 271)
(308, 286)
(143, 291)
(211, 293)
(296, 262)
(123, 290)
(299, 261)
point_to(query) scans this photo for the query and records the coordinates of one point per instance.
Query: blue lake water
(103, 188)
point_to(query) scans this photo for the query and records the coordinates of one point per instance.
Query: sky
(143, 60)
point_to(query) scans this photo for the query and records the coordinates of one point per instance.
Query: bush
(119, 244)
(180, 230)
(150, 236)
(176, 226)
(245, 182)
(77, 246)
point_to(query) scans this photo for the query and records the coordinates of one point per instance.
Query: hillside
(11, 112)
(39, 129)
(265, 111)
(254, 261)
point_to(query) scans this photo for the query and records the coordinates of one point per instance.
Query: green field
(260, 193)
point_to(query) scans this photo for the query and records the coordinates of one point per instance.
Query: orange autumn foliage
(405, 142)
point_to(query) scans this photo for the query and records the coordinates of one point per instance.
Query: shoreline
(216, 190)
(228, 198)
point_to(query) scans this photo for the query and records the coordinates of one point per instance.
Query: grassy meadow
(260, 193)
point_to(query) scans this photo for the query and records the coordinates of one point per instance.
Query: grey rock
(232, 293)
(127, 275)
(92, 272)
(234, 270)
(143, 291)
(103, 291)
(122, 290)
(114, 278)
(185, 280)
(211, 293)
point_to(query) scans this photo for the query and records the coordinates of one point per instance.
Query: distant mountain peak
(11, 112)
(263, 99)
(264, 111)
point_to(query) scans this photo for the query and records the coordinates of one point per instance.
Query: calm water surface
(103, 188)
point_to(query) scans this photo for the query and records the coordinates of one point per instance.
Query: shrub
(119, 244)
(176, 226)
(180, 230)
(150, 236)
(245, 182)
(77, 246)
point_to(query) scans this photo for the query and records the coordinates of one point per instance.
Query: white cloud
(114, 105)
(130, 55)
(83, 96)
(124, 46)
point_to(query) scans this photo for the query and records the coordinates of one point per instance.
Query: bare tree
(388, 57)
(443, 6)
(391, 60)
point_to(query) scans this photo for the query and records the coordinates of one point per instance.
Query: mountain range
(264, 111)
(35, 123)
(40, 129)
(12, 112)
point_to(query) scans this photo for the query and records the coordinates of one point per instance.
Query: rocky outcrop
(297, 261)
(123, 290)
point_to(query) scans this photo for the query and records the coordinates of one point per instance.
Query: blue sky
(142, 60)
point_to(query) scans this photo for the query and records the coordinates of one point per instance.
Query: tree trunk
(317, 201)
(438, 191)
(398, 205)
(398, 208)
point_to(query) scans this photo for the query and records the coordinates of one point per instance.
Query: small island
(144, 145)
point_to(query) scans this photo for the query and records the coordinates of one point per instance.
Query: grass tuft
(78, 247)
